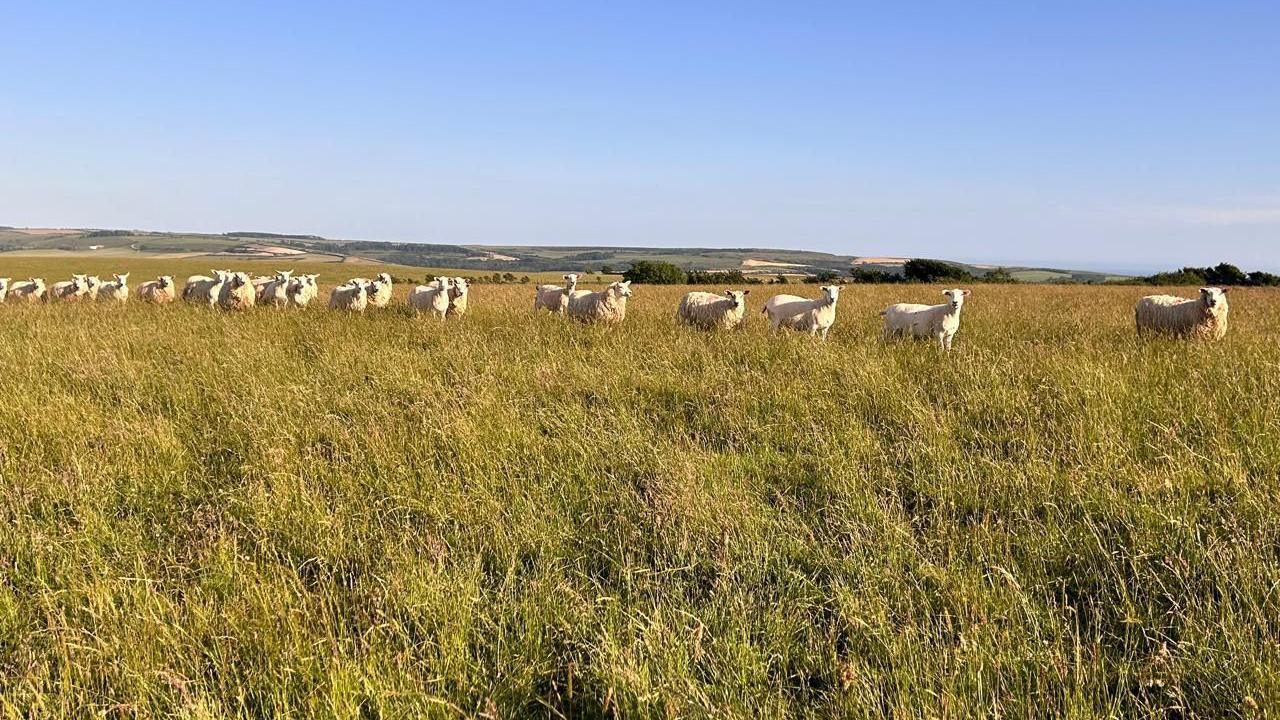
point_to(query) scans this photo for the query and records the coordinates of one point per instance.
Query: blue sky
(1124, 135)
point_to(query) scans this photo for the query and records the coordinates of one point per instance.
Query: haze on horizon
(1099, 135)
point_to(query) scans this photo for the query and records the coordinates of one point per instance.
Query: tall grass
(322, 515)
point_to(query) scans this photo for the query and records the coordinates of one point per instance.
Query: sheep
(608, 305)
(4, 288)
(158, 291)
(302, 290)
(204, 289)
(1203, 318)
(710, 311)
(812, 316)
(275, 291)
(117, 289)
(432, 297)
(352, 296)
(236, 293)
(940, 322)
(70, 290)
(458, 295)
(92, 285)
(554, 297)
(30, 291)
(380, 296)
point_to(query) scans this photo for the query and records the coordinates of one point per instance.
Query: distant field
(311, 514)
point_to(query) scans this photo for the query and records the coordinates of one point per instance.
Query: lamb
(432, 297)
(275, 291)
(709, 311)
(380, 295)
(29, 291)
(117, 289)
(70, 290)
(92, 285)
(554, 297)
(608, 305)
(352, 296)
(204, 289)
(302, 290)
(940, 322)
(1203, 318)
(236, 293)
(458, 295)
(812, 316)
(4, 289)
(158, 291)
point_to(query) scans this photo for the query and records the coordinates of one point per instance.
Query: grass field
(319, 515)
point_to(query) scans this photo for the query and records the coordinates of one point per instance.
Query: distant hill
(493, 258)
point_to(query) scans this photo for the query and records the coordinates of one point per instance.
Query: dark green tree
(654, 272)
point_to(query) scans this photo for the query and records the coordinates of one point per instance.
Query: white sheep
(275, 291)
(70, 290)
(432, 297)
(932, 322)
(236, 292)
(554, 297)
(459, 294)
(812, 316)
(607, 306)
(1202, 318)
(303, 289)
(710, 311)
(380, 290)
(4, 288)
(204, 289)
(352, 296)
(92, 285)
(117, 289)
(29, 291)
(158, 291)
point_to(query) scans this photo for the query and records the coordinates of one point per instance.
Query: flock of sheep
(444, 297)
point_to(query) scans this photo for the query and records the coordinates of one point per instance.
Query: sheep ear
(966, 293)
(1224, 290)
(746, 292)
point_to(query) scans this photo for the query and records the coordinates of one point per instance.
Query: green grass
(316, 515)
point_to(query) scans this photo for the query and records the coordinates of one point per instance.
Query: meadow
(313, 514)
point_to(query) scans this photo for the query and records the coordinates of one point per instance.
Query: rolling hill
(249, 245)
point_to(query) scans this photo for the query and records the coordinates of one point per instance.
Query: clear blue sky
(1091, 134)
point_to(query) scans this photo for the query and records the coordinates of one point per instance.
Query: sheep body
(302, 290)
(554, 297)
(814, 316)
(273, 290)
(237, 293)
(158, 291)
(72, 290)
(939, 322)
(710, 311)
(1202, 318)
(606, 306)
(459, 293)
(353, 297)
(432, 297)
(117, 289)
(30, 291)
(204, 289)
(380, 290)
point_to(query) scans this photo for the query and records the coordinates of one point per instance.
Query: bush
(859, 274)
(928, 271)
(651, 272)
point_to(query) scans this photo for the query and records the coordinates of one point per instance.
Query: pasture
(315, 514)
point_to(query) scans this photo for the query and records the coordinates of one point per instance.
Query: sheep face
(739, 297)
(1212, 297)
(956, 297)
(122, 280)
(164, 282)
(832, 292)
(571, 277)
(239, 280)
(384, 278)
(621, 289)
